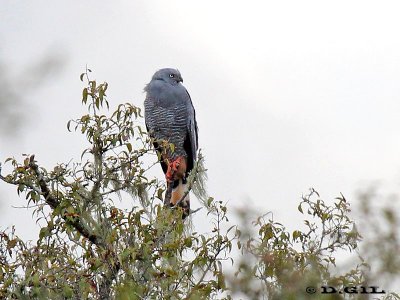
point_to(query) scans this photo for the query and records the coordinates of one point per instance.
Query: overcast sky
(289, 94)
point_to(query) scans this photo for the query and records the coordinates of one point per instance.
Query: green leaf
(101, 95)
(8, 159)
(43, 232)
(35, 279)
(67, 292)
(93, 86)
(11, 244)
(296, 234)
(84, 95)
(221, 281)
(160, 193)
(188, 242)
(172, 147)
(299, 208)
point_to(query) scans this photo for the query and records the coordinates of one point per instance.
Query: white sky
(288, 94)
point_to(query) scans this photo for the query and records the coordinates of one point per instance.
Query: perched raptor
(171, 122)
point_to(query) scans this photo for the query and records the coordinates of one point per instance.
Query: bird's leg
(174, 169)
(170, 177)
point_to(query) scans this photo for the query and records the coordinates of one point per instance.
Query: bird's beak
(180, 79)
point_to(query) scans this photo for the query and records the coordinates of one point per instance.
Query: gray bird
(170, 120)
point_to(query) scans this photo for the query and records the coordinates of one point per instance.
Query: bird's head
(169, 75)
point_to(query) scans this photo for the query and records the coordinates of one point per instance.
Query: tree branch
(76, 222)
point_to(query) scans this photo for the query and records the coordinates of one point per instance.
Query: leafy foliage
(287, 262)
(88, 248)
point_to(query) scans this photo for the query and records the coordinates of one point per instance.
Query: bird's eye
(171, 75)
